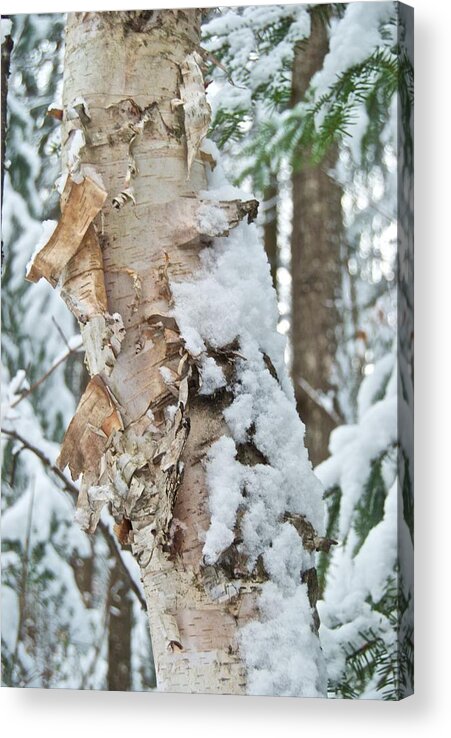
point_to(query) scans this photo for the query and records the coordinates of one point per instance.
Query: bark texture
(315, 263)
(134, 115)
(133, 224)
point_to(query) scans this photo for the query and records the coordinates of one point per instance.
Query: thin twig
(60, 331)
(44, 376)
(73, 491)
(317, 399)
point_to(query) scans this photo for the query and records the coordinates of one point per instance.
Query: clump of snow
(209, 147)
(281, 651)
(378, 553)
(212, 376)
(364, 566)
(252, 61)
(219, 188)
(211, 219)
(233, 299)
(225, 480)
(239, 416)
(353, 38)
(354, 447)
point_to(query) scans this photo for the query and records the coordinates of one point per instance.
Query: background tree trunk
(119, 633)
(270, 228)
(315, 262)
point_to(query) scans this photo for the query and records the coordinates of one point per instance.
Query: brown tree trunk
(270, 229)
(315, 262)
(119, 633)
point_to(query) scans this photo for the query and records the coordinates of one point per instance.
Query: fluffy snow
(225, 480)
(239, 416)
(378, 553)
(212, 376)
(219, 188)
(377, 432)
(353, 38)
(253, 62)
(360, 570)
(281, 651)
(354, 447)
(211, 219)
(232, 299)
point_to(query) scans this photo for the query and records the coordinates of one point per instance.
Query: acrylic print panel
(207, 350)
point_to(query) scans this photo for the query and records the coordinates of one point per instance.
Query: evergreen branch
(306, 133)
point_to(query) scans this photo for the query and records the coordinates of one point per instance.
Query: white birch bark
(134, 114)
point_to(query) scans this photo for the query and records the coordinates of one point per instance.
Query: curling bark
(133, 223)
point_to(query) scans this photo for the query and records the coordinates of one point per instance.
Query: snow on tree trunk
(188, 427)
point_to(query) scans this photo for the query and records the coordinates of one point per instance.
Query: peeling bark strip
(84, 202)
(86, 438)
(133, 89)
(82, 282)
(196, 108)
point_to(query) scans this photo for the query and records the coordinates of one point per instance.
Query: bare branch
(60, 331)
(318, 400)
(73, 491)
(45, 376)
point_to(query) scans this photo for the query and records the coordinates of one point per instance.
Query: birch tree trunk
(315, 262)
(133, 223)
